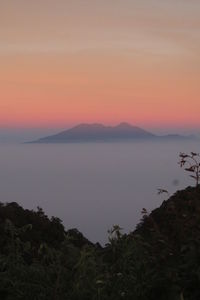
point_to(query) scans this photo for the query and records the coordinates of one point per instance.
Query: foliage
(192, 163)
(39, 259)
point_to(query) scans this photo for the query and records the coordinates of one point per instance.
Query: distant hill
(99, 132)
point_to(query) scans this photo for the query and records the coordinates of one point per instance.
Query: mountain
(97, 132)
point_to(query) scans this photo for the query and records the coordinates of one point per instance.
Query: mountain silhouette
(99, 132)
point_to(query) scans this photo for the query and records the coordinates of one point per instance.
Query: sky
(71, 61)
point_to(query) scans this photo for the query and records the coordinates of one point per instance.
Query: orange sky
(71, 61)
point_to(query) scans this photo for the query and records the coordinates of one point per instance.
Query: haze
(93, 186)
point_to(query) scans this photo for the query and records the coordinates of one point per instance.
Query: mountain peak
(124, 125)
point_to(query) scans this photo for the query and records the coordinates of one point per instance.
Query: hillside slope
(158, 260)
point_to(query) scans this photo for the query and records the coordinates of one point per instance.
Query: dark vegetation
(159, 260)
(191, 162)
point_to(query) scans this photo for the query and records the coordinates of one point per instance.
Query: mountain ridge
(85, 132)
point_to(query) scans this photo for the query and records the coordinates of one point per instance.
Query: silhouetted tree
(192, 163)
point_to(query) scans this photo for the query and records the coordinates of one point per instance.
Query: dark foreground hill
(159, 260)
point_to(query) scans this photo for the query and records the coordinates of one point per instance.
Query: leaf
(191, 169)
(194, 153)
(144, 211)
(183, 155)
(193, 176)
(161, 191)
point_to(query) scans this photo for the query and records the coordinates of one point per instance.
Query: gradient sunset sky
(64, 62)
